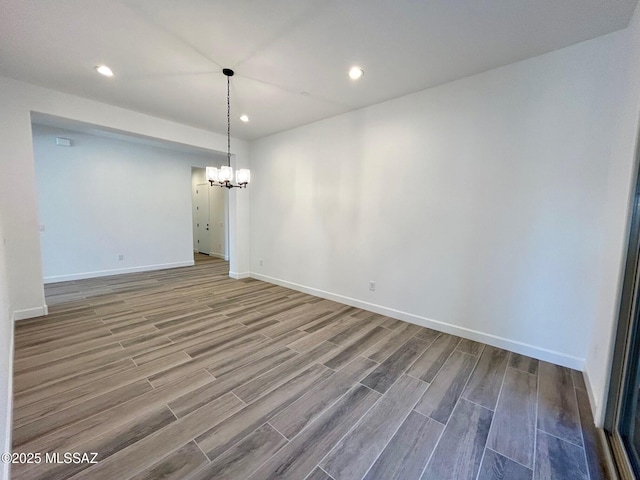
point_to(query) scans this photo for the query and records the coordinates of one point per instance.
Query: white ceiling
(168, 55)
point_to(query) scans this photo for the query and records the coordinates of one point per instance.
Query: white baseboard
(30, 313)
(239, 276)
(212, 254)
(597, 409)
(522, 348)
(117, 271)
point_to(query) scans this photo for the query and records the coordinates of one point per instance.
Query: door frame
(226, 217)
(625, 348)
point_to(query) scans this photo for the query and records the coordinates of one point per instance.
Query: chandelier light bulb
(243, 176)
(226, 174)
(212, 174)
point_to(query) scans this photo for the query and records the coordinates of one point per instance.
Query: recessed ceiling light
(355, 72)
(104, 70)
(244, 118)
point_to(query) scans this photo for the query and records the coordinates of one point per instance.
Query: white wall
(18, 201)
(101, 198)
(217, 213)
(6, 359)
(477, 207)
(616, 210)
(18, 205)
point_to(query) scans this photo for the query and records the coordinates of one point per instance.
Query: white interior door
(218, 221)
(202, 214)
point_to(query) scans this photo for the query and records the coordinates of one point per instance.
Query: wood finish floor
(187, 374)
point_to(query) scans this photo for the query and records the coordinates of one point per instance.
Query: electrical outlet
(260, 262)
(372, 286)
(120, 257)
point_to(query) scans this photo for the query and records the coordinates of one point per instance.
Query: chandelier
(223, 176)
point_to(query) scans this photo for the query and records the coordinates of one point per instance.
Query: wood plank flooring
(187, 374)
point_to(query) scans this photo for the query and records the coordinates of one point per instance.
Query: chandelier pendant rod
(223, 177)
(228, 120)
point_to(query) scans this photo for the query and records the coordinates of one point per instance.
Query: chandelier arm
(228, 185)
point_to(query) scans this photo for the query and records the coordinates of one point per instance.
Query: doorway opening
(104, 227)
(210, 217)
